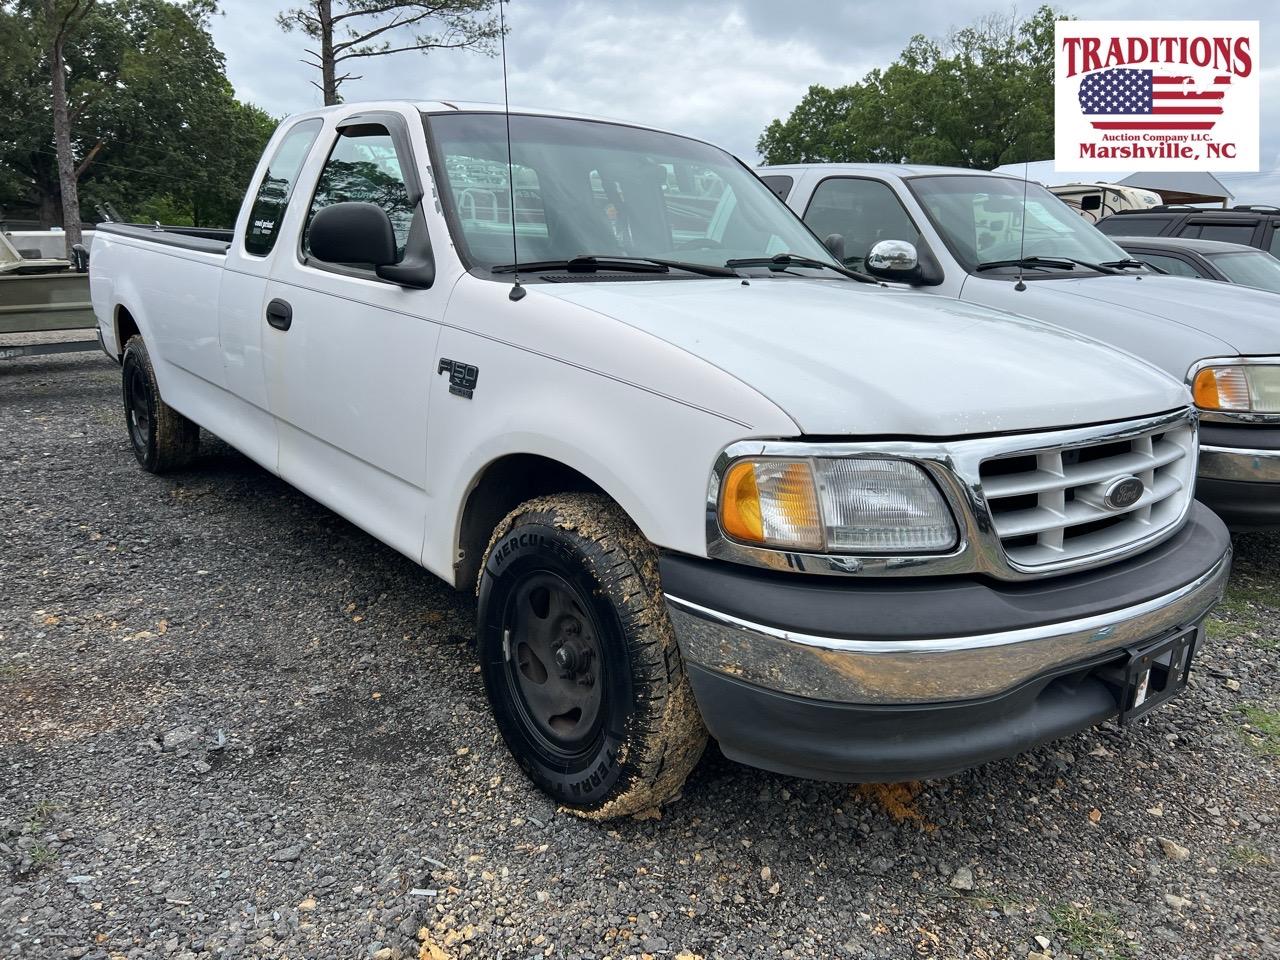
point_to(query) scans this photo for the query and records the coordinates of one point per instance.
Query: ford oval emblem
(1123, 492)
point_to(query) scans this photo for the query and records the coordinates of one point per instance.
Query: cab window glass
(779, 184)
(864, 212)
(1179, 268)
(600, 189)
(1231, 232)
(483, 202)
(1275, 241)
(363, 167)
(272, 199)
(1132, 226)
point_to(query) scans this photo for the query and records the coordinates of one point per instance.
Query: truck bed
(203, 239)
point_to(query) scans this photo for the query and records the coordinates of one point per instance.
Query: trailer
(40, 295)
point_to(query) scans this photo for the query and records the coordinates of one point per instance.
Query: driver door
(348, 356)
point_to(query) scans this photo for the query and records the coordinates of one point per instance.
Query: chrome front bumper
(1241, 465)
(935, 670)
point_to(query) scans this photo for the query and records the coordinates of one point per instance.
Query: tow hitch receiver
(1153, 673)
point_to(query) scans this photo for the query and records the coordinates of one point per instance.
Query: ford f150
(698, 474)
(980, 237)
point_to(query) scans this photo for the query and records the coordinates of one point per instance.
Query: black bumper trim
(903, 609)
(1242, 506)
(819, 740)
(1245, 436)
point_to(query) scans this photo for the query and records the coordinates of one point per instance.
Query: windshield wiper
(782, 260)
(1125, 264)
(1061, 263)
(590, 263)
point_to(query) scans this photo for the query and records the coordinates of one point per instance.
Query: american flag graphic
(1146, 100)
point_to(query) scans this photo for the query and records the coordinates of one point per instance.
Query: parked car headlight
(1238, 388)
(846, 505)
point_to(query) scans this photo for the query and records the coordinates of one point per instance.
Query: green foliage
(1095, 932)
(982, 97)
(156, 126)
(1263, 735)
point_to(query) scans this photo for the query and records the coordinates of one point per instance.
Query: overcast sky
(718, 69)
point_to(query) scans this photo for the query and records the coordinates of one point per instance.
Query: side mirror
(353, 233)
(894, 260)
(361, 233)
(835, 245)
(79, 258)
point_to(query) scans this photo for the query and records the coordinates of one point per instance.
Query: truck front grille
(1050, 506)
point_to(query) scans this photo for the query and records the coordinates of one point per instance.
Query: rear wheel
(161, 437)
(579, 659)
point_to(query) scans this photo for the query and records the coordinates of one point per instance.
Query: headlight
(847, 505)
(1238, 388)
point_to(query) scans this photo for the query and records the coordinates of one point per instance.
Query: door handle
(280, 314)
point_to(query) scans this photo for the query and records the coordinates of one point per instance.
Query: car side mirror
(353, 233)
(893, 260)
(900, 262)
(835, 245)
(361, 233)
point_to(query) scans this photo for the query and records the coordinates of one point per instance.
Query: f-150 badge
(462, 377)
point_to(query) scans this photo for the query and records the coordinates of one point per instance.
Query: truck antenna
(1022, 242)
(517, 291)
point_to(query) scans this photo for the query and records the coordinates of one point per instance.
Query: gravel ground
(233, 725)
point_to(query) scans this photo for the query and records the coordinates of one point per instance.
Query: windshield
(981, 220)
(585, 188)
(1251, 269)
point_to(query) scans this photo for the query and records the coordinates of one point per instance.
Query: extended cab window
(864, 212)
(363, 166)
(277, 186)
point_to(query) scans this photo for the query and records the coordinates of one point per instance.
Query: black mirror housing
(835, 245)
(353, 232)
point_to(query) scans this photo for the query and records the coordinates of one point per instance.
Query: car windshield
(1252, 268)
(982, 220)
(591, 189)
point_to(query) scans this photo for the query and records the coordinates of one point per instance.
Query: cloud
(716, 69)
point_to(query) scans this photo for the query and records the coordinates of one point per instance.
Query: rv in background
(1093, 201)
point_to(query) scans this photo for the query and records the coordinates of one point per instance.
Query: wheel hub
(553, 660)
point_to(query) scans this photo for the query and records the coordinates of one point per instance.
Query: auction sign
(1156, 95)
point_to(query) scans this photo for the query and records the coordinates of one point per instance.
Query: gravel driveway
(233, 725)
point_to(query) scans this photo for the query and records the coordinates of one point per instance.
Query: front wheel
(161, 437)
(579, 659)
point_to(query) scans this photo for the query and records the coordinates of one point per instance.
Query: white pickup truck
(998, 241)
(698, 474)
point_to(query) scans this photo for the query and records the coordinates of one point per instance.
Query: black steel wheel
(579, 659)
(162, 439)
(554, 662)
(137, 406)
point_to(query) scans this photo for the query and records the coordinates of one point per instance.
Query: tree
(154, 124)
(366, 28)
(982, 97)
(60, 19)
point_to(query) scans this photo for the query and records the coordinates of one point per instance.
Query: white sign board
(1156, 94)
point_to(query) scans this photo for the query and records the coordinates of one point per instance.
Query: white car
(698, 474)
(962, 234)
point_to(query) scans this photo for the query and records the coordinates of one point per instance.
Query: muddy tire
(579, 659)
(161, 437)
